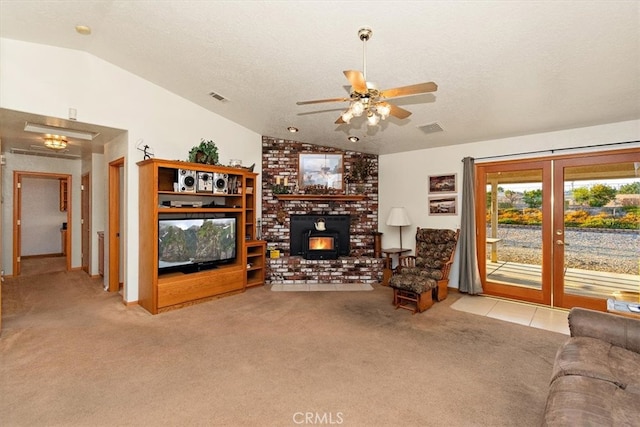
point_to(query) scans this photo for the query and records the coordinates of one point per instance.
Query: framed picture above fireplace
(321, 169)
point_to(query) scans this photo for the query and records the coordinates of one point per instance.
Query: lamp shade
(398, 217)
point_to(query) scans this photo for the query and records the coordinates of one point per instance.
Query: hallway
(42, 265)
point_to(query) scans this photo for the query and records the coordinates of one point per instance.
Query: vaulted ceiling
(503, 68)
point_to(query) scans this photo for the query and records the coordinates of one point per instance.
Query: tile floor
(532, 315)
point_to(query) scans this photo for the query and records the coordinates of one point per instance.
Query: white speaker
(186, 181)
(204, 183)
(220, 183)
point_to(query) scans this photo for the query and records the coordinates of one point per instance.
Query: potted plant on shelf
(206, 153)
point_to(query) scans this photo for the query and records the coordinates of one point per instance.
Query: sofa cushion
(584, 401)
(597, 359)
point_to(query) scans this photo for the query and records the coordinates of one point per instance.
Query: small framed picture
(442, 183)
(443, 205)
(321, 169)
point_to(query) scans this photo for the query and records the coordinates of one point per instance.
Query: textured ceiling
(504, 68)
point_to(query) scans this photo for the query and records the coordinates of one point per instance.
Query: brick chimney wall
(280, 159)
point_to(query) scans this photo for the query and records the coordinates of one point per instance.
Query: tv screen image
(193, 244)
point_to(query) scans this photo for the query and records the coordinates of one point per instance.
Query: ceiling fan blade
(409, 90)
(398, 112)
(339, 121)
(356, 78)
(319, 101)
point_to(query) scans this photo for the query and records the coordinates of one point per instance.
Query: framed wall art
(321, 169)
(442, 183)
(443, 205)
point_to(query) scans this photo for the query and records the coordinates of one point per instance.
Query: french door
(563, 231)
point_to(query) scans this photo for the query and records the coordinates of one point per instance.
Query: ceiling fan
(365, 98)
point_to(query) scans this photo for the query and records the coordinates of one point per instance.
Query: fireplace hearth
(320, 236)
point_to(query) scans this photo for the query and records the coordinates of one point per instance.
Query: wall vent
(217, 96)
(431, 128)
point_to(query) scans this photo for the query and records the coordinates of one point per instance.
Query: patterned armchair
(424, 276)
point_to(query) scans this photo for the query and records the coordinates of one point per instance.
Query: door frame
(542, 296)
(85, 221)
(562, 299)
(114, 234)
(17, 214)
(553, 255)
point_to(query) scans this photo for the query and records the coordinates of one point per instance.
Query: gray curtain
(469, 272)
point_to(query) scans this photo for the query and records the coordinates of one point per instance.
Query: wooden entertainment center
(164, 193)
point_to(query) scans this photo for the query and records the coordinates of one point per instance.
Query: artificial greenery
(206, 152)
(360, 169)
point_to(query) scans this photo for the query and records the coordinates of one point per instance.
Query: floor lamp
(398, 217)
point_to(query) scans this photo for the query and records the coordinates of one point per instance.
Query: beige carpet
(73, 355)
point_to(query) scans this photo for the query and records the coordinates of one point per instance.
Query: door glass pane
(514, 228)
(601, 226)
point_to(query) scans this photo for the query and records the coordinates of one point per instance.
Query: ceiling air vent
(217, 96)
(430, 128)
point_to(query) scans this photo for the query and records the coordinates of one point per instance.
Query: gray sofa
(596, 373)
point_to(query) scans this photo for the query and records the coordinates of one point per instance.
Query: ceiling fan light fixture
(55, 142)
(347, 116)
(372, 119)
(383, 109)
(357, 108)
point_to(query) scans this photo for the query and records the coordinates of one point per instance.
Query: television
(188, 245)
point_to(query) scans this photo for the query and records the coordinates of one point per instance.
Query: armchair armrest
(406, 261)
(618, 330)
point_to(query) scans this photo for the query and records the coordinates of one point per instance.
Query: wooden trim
(321, 197)
(17, 210)
(114, 224)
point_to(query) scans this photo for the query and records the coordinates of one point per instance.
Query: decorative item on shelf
(258, 229)
(319, 189)
(235, 163)
(279, 189)
(281, 186)
(206, 153)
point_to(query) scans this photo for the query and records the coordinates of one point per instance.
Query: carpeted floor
(73, 355)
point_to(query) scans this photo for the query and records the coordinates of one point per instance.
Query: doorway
(57, 203)
(562, 231)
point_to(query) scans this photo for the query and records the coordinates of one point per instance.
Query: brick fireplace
(355, 262)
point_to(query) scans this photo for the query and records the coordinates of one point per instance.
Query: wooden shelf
(159, 293)
(321, 197)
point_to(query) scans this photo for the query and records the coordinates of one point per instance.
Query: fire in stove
(321, 243)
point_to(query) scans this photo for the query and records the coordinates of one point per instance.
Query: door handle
(559, 242)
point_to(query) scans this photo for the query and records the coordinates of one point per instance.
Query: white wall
(106, 95)
(41, 218)
(98, 206)
(411, 170)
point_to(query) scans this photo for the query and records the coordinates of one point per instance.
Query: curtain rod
(553, 150)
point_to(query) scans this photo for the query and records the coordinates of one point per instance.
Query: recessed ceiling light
(83, 29)
(354, 139)
(292, 129)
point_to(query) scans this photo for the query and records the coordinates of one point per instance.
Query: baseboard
(130, 303)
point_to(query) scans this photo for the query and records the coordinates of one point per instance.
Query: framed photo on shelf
(443, 205)
(443, 183)
(321, 169)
